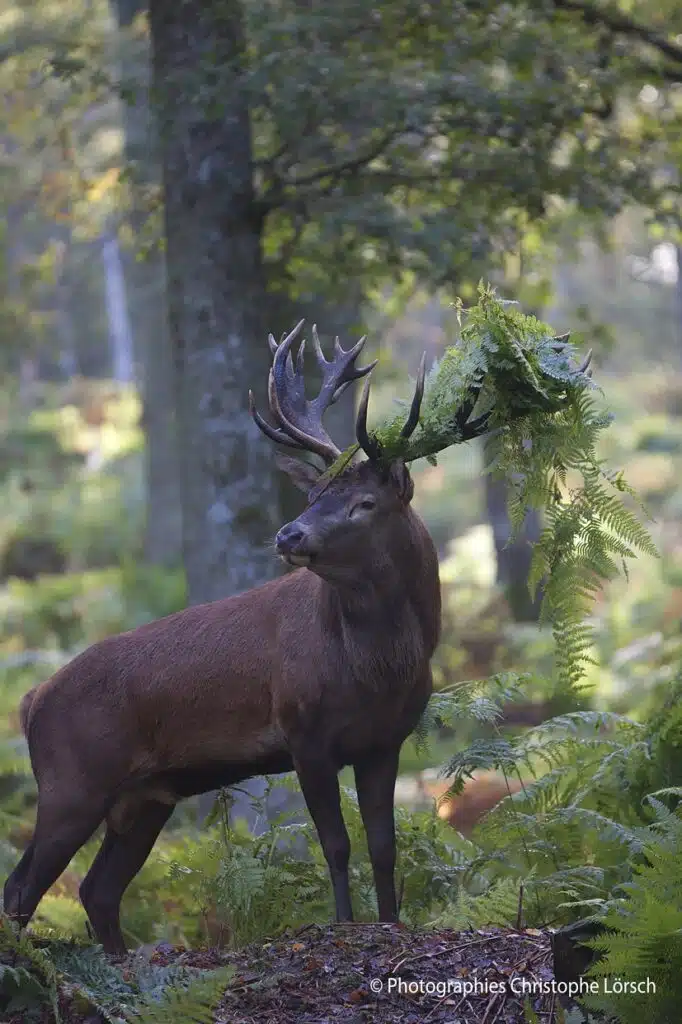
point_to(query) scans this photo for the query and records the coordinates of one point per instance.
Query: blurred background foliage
(539, 148)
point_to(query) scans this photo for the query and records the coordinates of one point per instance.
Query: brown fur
(25, 709)
(313, 671)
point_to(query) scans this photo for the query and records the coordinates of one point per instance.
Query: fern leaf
(194, 1004)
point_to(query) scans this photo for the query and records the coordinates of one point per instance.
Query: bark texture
(216, 295)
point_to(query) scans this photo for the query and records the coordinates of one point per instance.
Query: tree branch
(616, 21)
(271, 198)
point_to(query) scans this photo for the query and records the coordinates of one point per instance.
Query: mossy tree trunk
(217, 295)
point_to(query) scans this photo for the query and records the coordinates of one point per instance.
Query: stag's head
(352, 517)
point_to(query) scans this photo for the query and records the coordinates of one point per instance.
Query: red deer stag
(325, 667)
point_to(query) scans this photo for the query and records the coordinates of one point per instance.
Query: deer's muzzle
(293, 545)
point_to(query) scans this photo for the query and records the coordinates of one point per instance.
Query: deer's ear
(303, 474)
(399, 475)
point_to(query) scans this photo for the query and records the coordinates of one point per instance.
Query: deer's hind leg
(64, 823)
(120, 857)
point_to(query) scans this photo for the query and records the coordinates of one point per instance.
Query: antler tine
(274, 433)
(300, 359)
(298, 417)
(561, 341)
(588, 359)
(361, 371)
(292, 335)
(340, 371)
(352, 373)
(369, 445)
(476, 428)
(413, 418)
(279, 434)
(319, 354)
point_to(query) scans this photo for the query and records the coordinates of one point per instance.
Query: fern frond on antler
(509, 374)
(505, 367)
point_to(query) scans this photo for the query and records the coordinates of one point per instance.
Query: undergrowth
(583, 836)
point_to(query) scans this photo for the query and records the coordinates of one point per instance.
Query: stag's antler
(299, 419)
(460, 428)
(369, 443)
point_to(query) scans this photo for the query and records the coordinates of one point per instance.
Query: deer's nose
(289, 538)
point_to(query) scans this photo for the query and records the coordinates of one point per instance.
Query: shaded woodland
(178, 181)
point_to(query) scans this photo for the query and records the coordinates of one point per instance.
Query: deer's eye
(366, 505)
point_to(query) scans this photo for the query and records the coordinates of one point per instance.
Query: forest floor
(378, 974)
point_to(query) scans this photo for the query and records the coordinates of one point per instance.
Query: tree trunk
(217, 300)
(118, 319)
(220, 314)
(216, 296)
(513, 559)
(147, 277)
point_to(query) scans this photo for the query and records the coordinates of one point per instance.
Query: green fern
(21, 990)
(497, 906)
(95, 984)
(480, 700)
(195, 1004)
(570, 832)
(644, 941)
(30, 968)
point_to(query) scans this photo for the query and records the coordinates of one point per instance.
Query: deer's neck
(394, 604)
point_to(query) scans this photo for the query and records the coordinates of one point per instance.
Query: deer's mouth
(298, 560)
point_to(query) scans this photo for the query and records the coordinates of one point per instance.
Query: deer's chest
(378, 698)
(368, 690)
(378, 720)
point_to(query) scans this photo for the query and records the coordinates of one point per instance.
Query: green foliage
(548, 427)
(238, 884)
(572, 831)
(95, 984)
(362, 187)
(479, 700)
(194, 1005)
(21, 990)
(512, 364)
(644, 941)
(247, 888)
(497, 906)
(136, 993)
(66, 612)
(30, 978)
(659, 765)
